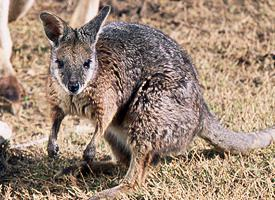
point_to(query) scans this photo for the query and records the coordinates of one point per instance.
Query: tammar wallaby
(140, 90)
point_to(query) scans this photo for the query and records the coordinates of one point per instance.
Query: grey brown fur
(140, 90)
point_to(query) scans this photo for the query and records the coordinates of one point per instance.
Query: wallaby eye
(87, 64)
(60, 64)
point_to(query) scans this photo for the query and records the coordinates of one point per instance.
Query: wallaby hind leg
(140, 161)
(157, 126)
(121, 153)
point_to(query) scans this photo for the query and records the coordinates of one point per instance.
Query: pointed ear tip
(44, 14)
(107, 8)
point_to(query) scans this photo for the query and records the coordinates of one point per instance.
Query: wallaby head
(73, 57)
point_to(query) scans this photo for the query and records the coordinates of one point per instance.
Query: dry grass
(230, 44)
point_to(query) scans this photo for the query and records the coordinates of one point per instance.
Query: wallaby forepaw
(89, 153)
(53, 150)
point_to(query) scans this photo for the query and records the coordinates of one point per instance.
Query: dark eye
(87, 64)
(60, 64)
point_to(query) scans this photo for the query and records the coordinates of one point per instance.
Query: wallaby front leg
(106, 111)
(57, 117)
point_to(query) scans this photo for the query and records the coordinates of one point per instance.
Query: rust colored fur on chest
(81, 105)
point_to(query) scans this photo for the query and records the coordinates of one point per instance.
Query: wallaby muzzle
(73, 86)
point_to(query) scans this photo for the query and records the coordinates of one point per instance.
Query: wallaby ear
(92, 28)
(54, 27)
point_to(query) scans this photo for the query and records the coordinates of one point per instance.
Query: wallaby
(139, 88)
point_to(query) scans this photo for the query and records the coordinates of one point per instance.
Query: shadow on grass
(210, 154)
(25, 171)
(206, 154)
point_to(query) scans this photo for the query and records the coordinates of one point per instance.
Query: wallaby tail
(234, 142)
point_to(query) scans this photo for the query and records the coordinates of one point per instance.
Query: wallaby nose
(73, 86)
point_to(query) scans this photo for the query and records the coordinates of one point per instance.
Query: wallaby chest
(80, 105)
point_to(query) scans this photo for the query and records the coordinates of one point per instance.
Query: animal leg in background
(84, 12)
(10, 88)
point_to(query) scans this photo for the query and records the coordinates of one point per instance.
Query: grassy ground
(230, 43)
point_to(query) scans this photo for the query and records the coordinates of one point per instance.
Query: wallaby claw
(53, 150)
(89, 153)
